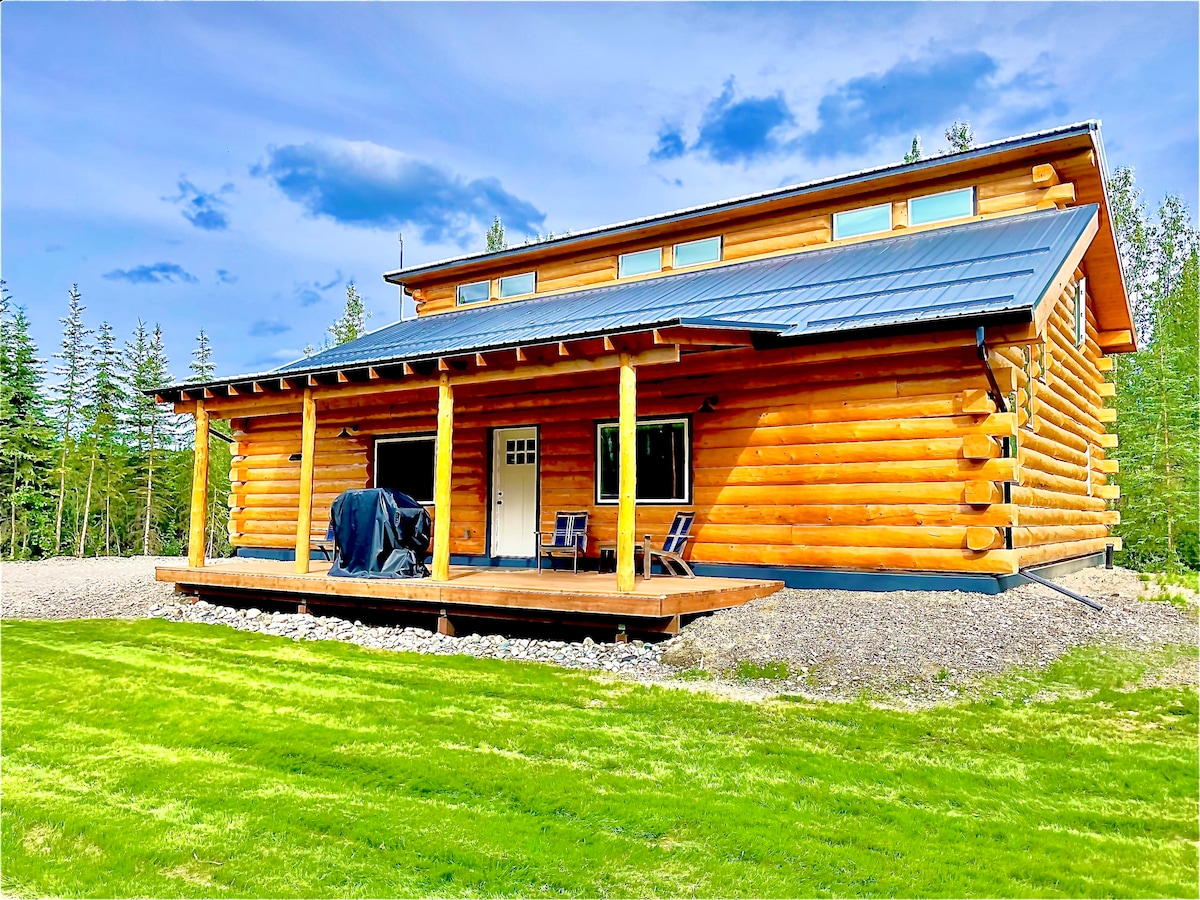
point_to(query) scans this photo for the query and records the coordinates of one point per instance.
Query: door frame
(491, 486)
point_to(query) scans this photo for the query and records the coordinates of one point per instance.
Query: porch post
(199, 512)
(627, 482)
(308, 445)
(441, 488)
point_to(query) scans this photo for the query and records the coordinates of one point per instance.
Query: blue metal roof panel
(982, 268)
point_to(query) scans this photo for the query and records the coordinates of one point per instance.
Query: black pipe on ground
(1038, 579)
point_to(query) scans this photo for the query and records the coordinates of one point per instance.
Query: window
(406, 464)
(520, 452)
(475, 292)
(1080, 312)
(516, 285)
(868, 220)
(664, 456)
(639, 263)
(693, 253)
(939, 207)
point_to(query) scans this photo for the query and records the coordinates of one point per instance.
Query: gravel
(906, 646)
(923, 645)
(70, 588)
(633, 658)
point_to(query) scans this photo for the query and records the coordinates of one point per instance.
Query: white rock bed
(632, 658)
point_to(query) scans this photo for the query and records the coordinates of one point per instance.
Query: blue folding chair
(673, 546)
(569, 537)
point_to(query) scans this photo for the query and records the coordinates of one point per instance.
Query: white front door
(514, 491)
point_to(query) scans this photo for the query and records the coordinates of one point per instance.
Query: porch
(653, 605)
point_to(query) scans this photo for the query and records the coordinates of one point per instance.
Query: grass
(147, 758)
(1164, 581)
(776, 670)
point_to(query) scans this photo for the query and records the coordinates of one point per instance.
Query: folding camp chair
(673, 546)
(569, 537)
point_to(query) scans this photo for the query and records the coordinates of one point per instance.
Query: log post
(199, 513)
(441, 489)
(308, 445)
(627, 482)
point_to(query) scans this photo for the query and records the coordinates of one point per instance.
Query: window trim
(719, 238)
(500, 286)
(459, 301)
(834, 222)
(974, 206)
(687, 461)
(648, 250)
(404, 437)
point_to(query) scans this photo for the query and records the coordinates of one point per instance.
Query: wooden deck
(655, 605)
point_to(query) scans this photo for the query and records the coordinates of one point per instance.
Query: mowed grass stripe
(187, 760)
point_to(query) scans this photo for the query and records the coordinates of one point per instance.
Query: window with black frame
(406, 463)
(664, 458)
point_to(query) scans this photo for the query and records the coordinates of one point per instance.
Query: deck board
(505, 589)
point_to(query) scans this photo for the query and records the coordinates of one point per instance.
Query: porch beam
(334, 395)
(627, 481)
(198, 522)
(308, 444)
(441, 487)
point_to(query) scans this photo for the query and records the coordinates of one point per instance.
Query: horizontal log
(1032, 556)
(861, 473)
(1056, 534)
(1035, 515)
(980, 493)
(1028, 496)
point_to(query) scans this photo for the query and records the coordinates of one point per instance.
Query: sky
(232, 166)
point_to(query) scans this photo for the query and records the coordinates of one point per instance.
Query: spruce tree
(102, 412)
(202, 366)
(146, 369)
(26, 451)
(74, 376)
(1157, 387)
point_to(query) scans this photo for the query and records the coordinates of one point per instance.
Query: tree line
(90, 464)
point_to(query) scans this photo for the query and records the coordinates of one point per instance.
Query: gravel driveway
(70, 588)
(913, 645)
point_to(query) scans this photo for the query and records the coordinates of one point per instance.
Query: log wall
(865, 455)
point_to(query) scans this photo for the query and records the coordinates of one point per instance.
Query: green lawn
(147, 758)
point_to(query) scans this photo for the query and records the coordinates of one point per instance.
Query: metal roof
(1090, 126)
(977, 270)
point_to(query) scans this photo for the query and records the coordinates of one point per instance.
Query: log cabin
(889, 379)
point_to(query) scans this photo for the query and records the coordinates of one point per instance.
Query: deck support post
(441, 489)
(627, 481)
(445, 626)
(198, 523)
(308, 444)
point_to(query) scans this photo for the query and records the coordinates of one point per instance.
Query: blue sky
(230, 166)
